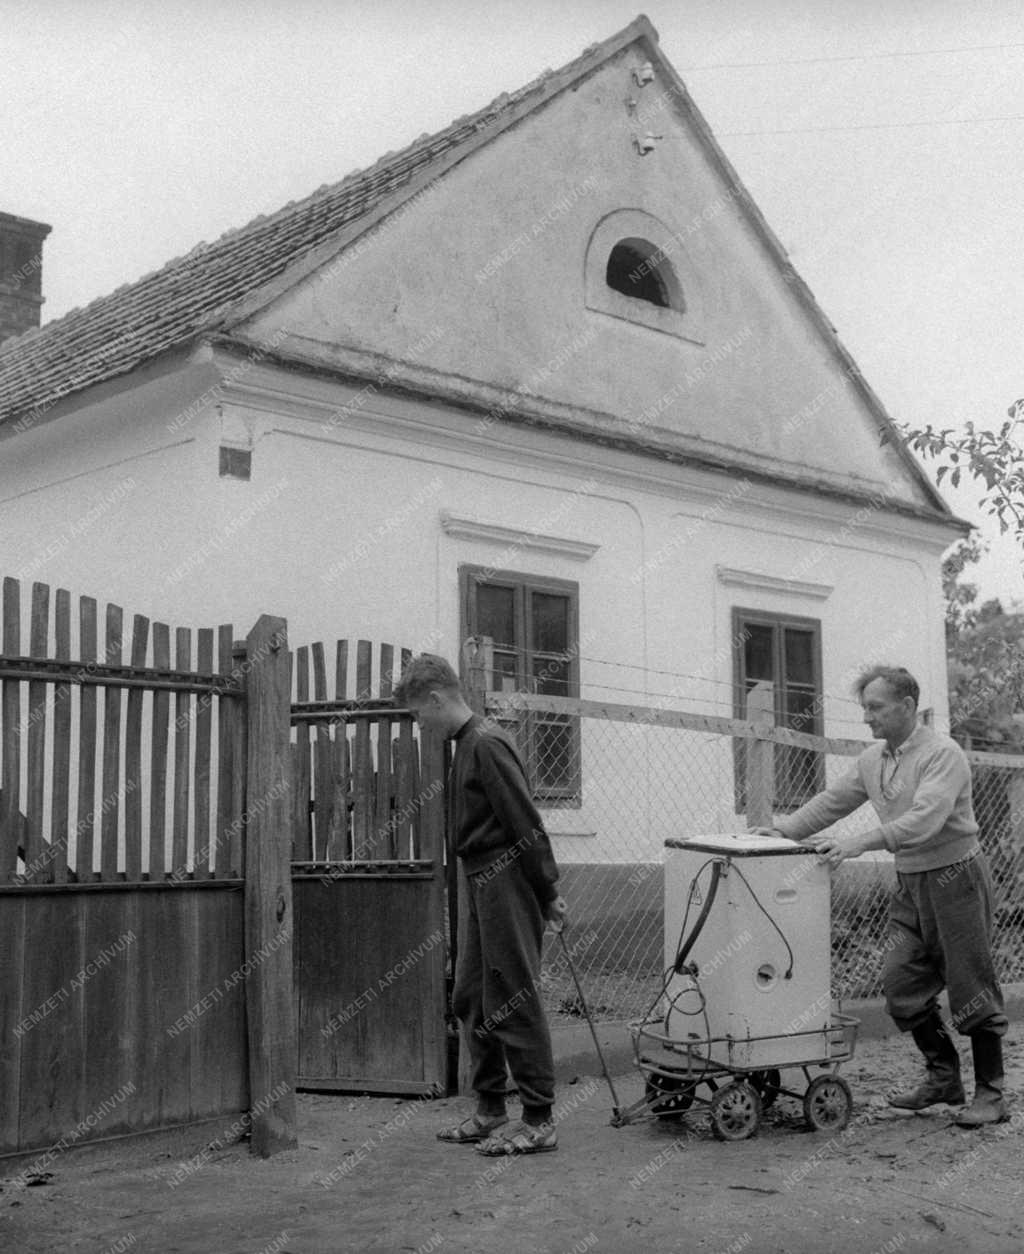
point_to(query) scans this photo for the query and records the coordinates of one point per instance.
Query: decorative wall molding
(773, 583)
(494, 533)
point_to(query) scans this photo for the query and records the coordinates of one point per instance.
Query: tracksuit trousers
(497, 993)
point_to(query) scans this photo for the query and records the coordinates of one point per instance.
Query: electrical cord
(789, 950)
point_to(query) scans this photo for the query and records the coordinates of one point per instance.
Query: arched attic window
(632, 271)
(636, 268)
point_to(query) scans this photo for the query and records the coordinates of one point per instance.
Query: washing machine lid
(743, 845)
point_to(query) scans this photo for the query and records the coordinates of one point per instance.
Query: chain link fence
(628, 778)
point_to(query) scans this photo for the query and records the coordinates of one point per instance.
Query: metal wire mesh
(627, 786)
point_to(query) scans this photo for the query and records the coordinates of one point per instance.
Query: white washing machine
(761, 962)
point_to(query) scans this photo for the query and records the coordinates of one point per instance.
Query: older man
(919, 783)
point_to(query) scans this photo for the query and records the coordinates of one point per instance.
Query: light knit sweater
(927, 819)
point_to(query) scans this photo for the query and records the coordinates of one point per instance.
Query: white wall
(339, 530)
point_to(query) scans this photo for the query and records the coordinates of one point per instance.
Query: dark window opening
(785, 652)
(635, 271)
(533, 623)
(235, 463)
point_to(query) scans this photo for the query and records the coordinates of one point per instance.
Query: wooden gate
(368, 881)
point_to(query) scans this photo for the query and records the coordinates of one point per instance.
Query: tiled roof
(168, 308)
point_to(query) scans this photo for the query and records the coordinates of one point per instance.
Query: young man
(511, 880)
(941, 909)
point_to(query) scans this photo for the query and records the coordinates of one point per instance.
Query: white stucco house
(546, 375)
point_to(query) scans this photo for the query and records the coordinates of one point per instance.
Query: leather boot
(942, 1083)
(987, 1105)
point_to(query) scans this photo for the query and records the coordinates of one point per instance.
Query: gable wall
(481, 278)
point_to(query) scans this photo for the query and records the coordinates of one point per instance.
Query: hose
(687, 945)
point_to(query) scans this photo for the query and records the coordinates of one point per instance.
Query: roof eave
(559, 420)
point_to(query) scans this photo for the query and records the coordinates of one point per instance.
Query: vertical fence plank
(12, 1008)
(239, 756)
(59, 833)
(270, 1009)
(340, 840)
(182, 765)
(204, 727)
(386, 839)
(403, 817)
(133, 759)
(158, 860)
(408, 756)
(323, 789)
(301, 835)
(85, 845)
(10, 817)
(109, 802)
(341, 670)
(222, 863)
(363, 829)
(338, 847)
(37, 862)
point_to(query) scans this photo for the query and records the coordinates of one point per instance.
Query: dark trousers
(497, 994)
(940, 925)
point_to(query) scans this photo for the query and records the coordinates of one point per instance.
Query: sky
(880, 138)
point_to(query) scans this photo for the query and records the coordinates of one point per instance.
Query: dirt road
(369, 1176)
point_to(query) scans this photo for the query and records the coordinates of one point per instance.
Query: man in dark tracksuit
(940, 914)
(511, 891)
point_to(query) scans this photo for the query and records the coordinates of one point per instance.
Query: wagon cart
(683, 1075)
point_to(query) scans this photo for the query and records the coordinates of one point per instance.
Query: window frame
(786, 795)
(684, 316)
(524, 725)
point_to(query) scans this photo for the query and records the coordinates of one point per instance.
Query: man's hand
(836, 849)
(554, 912)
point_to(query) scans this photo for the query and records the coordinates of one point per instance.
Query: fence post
(477, 652)
(268, 891)
(761, 756)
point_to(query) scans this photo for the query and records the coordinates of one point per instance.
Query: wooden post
(433, 813)
(268, 892)
(478, 653)
(761, 756)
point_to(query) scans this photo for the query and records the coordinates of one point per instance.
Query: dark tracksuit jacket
(511, 877)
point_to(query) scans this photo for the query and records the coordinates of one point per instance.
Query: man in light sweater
(941, 908)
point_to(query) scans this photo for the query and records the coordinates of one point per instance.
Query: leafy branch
(994, 458)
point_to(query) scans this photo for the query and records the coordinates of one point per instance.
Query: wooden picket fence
(145, 784)
(356, 765)
(145, 895)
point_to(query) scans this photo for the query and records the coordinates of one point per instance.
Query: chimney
(21, 274)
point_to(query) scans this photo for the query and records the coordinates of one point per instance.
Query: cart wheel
(828, 1103)
(668, 1097)
(768, 1085)
(735, 1111)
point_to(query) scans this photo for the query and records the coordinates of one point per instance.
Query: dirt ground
(369, 1176)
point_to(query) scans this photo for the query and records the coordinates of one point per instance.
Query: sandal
(475, 1128)
(520, 1138)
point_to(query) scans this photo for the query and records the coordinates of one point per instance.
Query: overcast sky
(881, 138)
